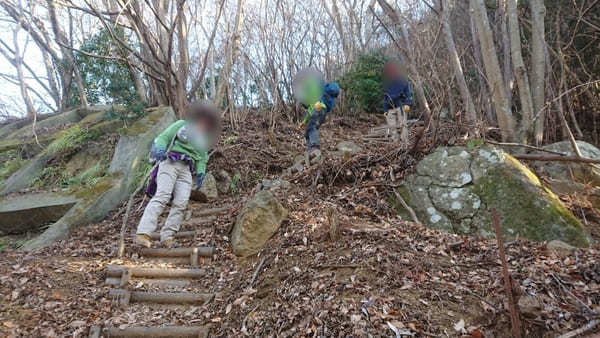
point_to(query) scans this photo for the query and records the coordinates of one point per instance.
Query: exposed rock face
(257, 223)
(581, 173)
(92, 204)
(28, 212)
(454, 188)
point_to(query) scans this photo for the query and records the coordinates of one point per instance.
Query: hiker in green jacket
(180, 151)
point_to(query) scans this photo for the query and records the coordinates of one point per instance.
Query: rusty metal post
(514, 312)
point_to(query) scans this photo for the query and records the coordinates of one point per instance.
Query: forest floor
(381, 277)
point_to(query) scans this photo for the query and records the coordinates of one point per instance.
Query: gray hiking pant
(173, 179)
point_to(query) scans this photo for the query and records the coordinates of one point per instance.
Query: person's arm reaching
(158, 152)
(163, 140)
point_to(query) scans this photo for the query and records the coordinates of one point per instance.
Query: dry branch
(556, 158)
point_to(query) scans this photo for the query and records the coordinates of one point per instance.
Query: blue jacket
(396, 94)
(330, 93)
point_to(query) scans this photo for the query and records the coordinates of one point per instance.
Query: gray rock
(274, 185)
(209, 187)
(223, 181)
(582, 173)
(560, 247)
(257, 223)
(23, 213)
(130, 156)
(447, 166)
(454, 188)
(348, 147)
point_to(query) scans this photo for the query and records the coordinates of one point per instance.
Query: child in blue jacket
(315, 117)
(397, 100)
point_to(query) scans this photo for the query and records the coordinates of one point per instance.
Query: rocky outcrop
(127, 164)
(454, 188)
(572, 177)
(25, 213)
(257, 223)
(579, 172)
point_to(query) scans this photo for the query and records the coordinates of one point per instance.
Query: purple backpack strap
(152, 186)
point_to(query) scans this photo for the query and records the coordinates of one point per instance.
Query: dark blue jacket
(396, 94)
(330, 93)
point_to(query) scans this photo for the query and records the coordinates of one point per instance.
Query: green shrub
(10, 167)
(89, 177)
(71, 139)
(50, 177)
(363, 83)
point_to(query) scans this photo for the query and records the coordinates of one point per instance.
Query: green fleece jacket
(200, 157)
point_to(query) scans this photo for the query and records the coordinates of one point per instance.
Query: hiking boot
(314, 155)
(169, 243)
(143, 241)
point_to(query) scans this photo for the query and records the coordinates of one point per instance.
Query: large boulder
(455, 188)
(208, 191)
(582, 173)
(257, 223)
(128, 164)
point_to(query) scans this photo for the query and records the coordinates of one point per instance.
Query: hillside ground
(380, 274)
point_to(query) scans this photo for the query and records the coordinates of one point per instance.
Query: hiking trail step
(126, 297)
(150, 332)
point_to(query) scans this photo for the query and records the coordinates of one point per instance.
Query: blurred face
(201, 125)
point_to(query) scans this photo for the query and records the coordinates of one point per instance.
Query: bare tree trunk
(18, 63)
(471, 115)
(492, 69)
(232, 52)
(62, 40)
(538, 66)
(183, 65)
(138, 83)
(507, 65)
(520, 71)
(52, 84)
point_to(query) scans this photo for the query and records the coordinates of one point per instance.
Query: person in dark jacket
(397, 100)
(316, 112)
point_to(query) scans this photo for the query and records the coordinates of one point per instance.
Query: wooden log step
(116, 281)
(117, 271)
(125, 297)
(180, 234)
(199, 220)
(157, 332)
(213, 211)
(207, 251)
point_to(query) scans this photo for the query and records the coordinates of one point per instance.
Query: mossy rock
(95, 201)
(578, 172)
(445, 199)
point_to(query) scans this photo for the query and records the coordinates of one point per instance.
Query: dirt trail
(380, 276)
